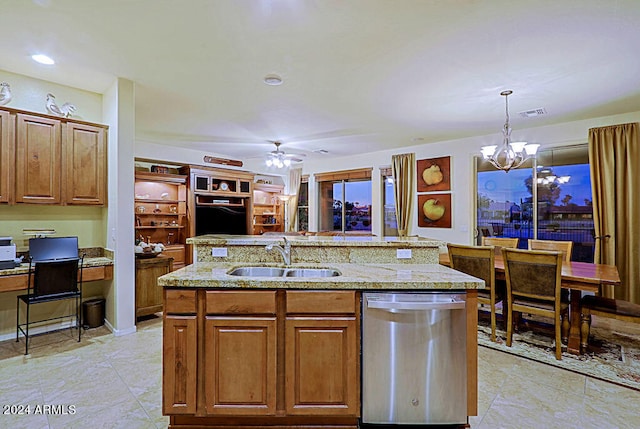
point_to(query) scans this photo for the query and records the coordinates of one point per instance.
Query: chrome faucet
(284, 251)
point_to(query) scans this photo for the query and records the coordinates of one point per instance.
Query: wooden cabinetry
(148, 293)
(268, 210)
(321, 352)
(219, 201)
(264, 358)
(179, 352)
(240, 353)
(7, 163)
(57, 160)
(38, 159)
(84, 164)
(161, 212)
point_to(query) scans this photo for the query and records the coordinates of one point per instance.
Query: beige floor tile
(116, 382)
(125, 414)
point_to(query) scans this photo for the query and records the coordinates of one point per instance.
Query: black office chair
(51, 280)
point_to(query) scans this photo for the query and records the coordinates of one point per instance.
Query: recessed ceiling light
(42, 59)
(273, 79)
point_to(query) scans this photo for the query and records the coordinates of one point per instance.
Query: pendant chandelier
(510, 154)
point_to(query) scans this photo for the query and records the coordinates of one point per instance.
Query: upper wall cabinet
(6, 158)
(57, 160)
(38, 160)
(84, 164)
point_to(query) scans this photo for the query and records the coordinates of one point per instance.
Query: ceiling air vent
(533, 112)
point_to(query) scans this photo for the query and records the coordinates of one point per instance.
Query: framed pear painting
(434, 174)
(434, 211)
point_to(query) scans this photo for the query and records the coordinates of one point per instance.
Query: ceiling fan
(279, 159)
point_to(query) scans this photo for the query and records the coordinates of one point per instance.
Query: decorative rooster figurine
(65, 110)
(5, 93)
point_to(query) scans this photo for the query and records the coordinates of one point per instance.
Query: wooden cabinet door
(321, 366)
(240, 365)
(84, 164)
(6, 159)
(148, 293)
(179, 364)
(38, 160)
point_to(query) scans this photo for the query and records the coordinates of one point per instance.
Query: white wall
(31, 94)
(462, 152)
(119, 108)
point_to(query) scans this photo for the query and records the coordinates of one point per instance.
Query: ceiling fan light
(269, 162)
(287, 162)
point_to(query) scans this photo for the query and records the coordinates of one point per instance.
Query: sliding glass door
(561, 211)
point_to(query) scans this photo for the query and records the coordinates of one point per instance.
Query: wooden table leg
(573, 344)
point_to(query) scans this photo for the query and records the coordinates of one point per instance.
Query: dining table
(576, 277)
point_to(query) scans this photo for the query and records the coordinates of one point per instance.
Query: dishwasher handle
(454, 304)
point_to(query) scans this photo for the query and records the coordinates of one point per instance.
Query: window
(505, 205)
(344, 201)
(303, 205)
(390, 225)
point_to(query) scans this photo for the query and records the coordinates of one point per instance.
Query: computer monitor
(52, 248)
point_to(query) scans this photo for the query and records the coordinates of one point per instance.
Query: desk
(577, 277)
(15, 279)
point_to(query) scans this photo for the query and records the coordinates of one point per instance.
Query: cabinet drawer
(240, 302)
(332, 302)
(176, 253)
(180, 301)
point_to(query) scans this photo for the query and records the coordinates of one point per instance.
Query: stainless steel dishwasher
(414, 368)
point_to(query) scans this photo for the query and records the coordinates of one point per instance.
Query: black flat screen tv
(221, 220)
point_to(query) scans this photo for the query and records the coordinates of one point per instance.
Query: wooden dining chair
(557, 246)
(533, 286)
(511, 243)
(479, 262)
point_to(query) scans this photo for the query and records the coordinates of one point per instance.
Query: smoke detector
(533, 112)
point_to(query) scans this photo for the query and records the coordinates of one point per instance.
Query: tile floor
(115, 382)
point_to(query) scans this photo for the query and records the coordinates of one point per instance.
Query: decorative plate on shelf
(224, 186)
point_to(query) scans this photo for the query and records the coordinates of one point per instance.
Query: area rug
(612, 356)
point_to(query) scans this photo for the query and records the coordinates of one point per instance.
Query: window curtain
(295, 175)
(614, 159)
(403, 172)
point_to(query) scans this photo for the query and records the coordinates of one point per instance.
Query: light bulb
(531, 148)
(488, 151)
(269, 162)
(518, 147)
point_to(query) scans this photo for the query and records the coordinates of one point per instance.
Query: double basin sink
(257, 271)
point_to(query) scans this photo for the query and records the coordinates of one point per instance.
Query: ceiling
(358, 75)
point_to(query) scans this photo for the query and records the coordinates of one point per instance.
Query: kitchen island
(284, 351)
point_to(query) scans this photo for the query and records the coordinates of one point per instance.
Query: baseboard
(41, 329)
(120, 332)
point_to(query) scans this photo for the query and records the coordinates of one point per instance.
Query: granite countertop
(99, 261)
(354, 276)
(316, 240)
